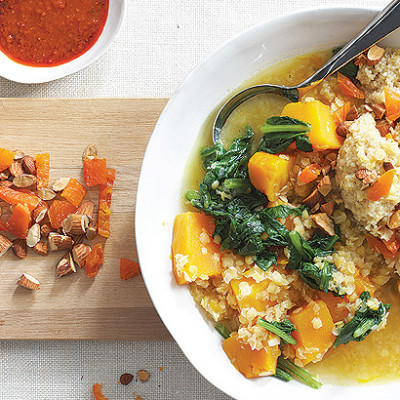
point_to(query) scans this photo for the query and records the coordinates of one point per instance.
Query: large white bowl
(16, 72)
(159, 192)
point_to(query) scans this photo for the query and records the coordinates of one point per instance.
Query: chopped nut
(328, 208)
(379, 110)
(324, 186)
(326, 167)
(45, 230)
(367, 177)
(29, 164)
(18, 154)
(86, 208)
(383, 126)
(387, 165)
(39, 213)
(324, 222)
(20, 248)
(29, 282)
(41, 248)
(24, 180)
(75, 224)
(314, 198)
(59, 242)
(78, 239)
(6, 184)
(374, 55)
(125, 379)
(365, 108)
(60, 184)
(143, 375)
(89, 153)
(46, 194)
(5, 244)
(331, 156)
(394, 222)
(16, 168)
(4, 174)
(91, 231)
(79, 254)
(343, 128)
(352, 114)
(66, 265)
(33, 235)
(360, 59)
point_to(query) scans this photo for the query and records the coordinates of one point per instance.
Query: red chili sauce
(45, 33)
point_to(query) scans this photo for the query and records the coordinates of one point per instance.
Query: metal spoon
(384, 23)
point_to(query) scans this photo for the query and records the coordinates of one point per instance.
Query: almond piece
(78, 239)
(343, 128)
(383, 126)
(24, 181)
(29, 282)
(325, 186)
(4, 174)
(33, 235)
(91, 231)
(86, 208)
(352, 114)
(59, 242)
(41, 248)
(394, 221)
(360, 59)
(45, 230)
(75, 224)
(367, 177)
(46, 194)
(89, 153)
(38, 214)
(324, 222)
(66, 265)
(79, 254)
(379, 110)
(314, 198)
(328, 208)
(16, 168)
(143, 375)
(374, 55)
(6, 184)
(29, 164)
(60, 184)
(5, 244)
(20, 248)
(326, 167)
(19, 154)
(387, 165)
(365, 108)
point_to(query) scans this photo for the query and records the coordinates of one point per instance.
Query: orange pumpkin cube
(336, 305)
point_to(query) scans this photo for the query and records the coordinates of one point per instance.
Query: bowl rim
(31, 77)
(140, 202)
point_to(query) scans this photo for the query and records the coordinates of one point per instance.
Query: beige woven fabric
(160, 42)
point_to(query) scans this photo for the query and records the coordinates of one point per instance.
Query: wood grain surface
(76, 307)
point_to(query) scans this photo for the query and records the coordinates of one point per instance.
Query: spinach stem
(223, 330)
(300, 373)
(278, 332)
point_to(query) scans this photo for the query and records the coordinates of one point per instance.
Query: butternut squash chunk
(269, 173)
(336, 305)
(314, 335)
(251, 363)
(323, 133)
(195, 255)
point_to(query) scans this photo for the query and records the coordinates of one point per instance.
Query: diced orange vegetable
(323, 134)
(314, 335)
(128, 268)
(363, 284)
(94, 260)
(254, 298)
(6, 158)
(392, 104)
(310, 173)
(42, 170)
(269, 173)
(98, 395)
(382, 186)
(336, 305)
(74, 192)
(103, 221)
(194, 252)
(376, 245)
(11, 196)
(251, 363)
(18, 223)
(95, 171)
(340, 115)
(58, 211)
(348, 88)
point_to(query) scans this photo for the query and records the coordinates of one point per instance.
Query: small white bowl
(159, 196)
(16, 72)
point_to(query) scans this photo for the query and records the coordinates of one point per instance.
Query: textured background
(160, 42)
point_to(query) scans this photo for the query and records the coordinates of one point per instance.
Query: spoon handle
(384, 23)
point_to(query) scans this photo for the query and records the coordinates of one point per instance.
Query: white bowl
(16, 72)
(159, 191)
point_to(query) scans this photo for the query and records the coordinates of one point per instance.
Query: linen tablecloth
(160, 42)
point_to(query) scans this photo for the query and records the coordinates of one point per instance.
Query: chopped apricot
(251, 363)
(59, 210)
(195, 255)
(95, 171)
(42, 170)
(74, 192)
(6, 158)
(377, 245)
(94, 260)
(18, 223)
(392, 104)
(348, 88)
(128, 268)
(382, 186)
(310, 173)
(18, 197)
(105, 193)
(3, 226)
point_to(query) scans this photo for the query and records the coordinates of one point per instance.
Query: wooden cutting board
(76, 307)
